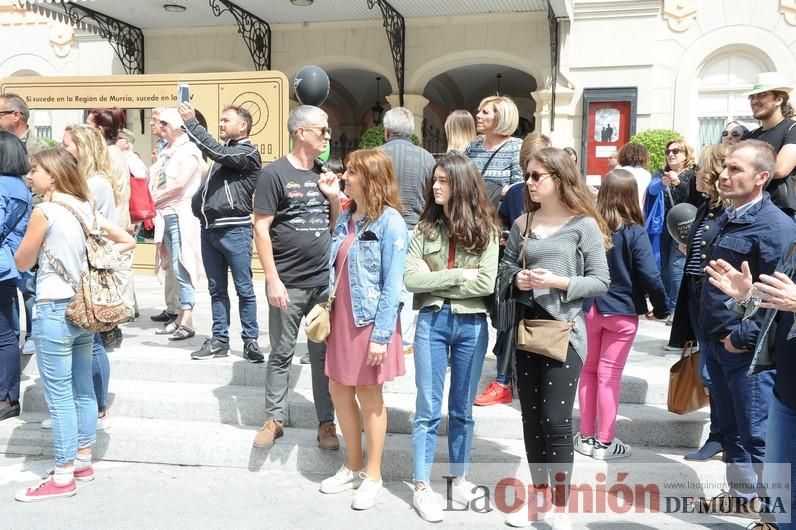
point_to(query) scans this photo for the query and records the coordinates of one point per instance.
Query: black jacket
(225, 198)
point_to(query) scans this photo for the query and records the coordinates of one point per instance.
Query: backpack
(97, 304)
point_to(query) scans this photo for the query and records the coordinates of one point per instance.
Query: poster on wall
(609, 120)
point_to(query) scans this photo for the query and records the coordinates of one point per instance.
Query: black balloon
(311, 85)
(679, 221)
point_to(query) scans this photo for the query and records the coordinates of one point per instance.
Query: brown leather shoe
(270, 431)
(327, 437)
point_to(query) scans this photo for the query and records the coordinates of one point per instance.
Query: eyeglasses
(676, 151)
(536, 176)
(7, 112)
(323, 130)
(735, 134)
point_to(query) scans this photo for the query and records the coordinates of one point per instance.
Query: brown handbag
(549, 338)
(687, 392)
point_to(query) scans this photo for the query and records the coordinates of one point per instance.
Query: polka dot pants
(546, 389)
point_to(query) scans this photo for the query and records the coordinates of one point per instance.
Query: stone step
(641, 383)
(245, 405)
(195, 443)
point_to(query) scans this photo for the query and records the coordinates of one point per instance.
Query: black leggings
(547, 389)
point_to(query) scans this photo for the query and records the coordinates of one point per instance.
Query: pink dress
(347, 345)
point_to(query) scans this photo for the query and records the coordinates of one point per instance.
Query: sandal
(167, 329)
(182, 333)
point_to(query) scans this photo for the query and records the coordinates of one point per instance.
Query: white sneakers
(521, 519)
(427, 504)
(29, 347)
(367, 494)
(103, 423)
(343, 480)
(368, 490)
(615, 449)
(463, 492)
(584, 446)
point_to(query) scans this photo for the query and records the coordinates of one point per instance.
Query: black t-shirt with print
(782, 191)
(300, 231)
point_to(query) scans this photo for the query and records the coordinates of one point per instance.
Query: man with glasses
(295, 206)
(769, 102)
(223, 205)
(14, 116)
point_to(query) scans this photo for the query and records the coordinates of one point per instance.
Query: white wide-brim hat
(768, 81)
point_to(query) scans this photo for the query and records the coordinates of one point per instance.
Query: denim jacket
(15, 209)
(376, 262)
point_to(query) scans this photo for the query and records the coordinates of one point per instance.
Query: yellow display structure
(264, 94)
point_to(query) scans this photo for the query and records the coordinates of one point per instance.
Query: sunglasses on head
(735, 134)
(675, 151)
(535, 176)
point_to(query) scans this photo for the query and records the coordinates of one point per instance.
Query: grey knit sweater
(576, 251)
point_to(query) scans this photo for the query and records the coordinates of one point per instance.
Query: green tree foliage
(655, 141)
(374, 137)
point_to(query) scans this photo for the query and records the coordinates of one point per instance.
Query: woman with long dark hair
(55, 239)
(451, 267)
(554, 260)
(15, 205)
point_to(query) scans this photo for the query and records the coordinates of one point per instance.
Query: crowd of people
(417, 255)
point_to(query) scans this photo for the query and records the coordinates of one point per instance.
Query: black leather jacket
(225, 198)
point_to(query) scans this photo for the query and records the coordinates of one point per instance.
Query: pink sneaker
(82, 475)
(48, 489)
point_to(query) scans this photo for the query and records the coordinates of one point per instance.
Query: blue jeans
(672, 265)
(9, 343)
(225, 249)
(63, 355)
(781, 447)
(100, 372)
(438, 335)
(742, 404)
(172, 242)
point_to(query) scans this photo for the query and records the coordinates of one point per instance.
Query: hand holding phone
(184, 93)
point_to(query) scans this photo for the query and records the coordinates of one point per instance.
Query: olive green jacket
(433, 288)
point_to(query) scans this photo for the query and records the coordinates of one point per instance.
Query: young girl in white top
(63, 350)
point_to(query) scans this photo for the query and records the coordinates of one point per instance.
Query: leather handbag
(318, 322)
(549, 338)
(142, 208)
(687, 392)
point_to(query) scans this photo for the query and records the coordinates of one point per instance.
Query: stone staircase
(166, 408)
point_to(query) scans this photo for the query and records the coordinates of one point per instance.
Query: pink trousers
(610, 338)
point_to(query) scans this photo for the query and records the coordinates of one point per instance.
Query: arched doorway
(353, 95)
(464, 88)
(724, 81)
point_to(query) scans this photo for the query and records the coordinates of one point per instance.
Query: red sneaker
(47, 490)
(494, 394)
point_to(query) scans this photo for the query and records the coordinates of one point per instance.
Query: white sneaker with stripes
(615, 449)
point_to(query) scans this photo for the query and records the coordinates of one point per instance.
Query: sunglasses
(676, 151)
(323, 130)
(735, 134)
(536, 176)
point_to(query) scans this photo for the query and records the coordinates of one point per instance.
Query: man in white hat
(769, 102)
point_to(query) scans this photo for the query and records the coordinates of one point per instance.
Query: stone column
(416, 104)
(565, 127)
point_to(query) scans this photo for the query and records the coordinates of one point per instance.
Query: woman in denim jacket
(15, 201)
(451, 267)
(364, 348)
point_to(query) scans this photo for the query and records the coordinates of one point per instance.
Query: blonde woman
(89, 149)
(686, 326)
(459, 130)
(496, 154)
